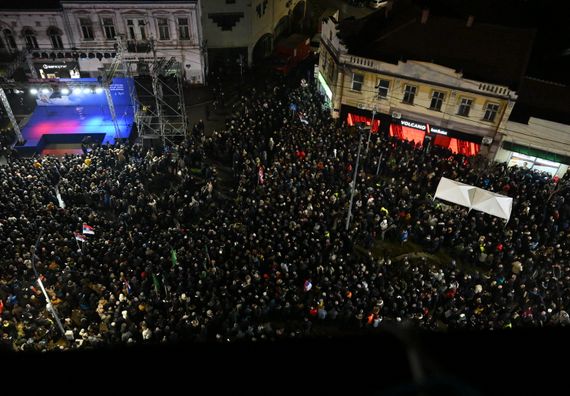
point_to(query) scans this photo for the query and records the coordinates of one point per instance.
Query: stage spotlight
(45, 91)
(65, 91)
(34, 91)
(87, 90)
(76, 91)
(98, 90)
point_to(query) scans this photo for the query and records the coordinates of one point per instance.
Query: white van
(377, 3)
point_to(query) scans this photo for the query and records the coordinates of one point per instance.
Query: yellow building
(425, 78)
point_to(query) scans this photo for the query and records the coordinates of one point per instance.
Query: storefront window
(534, 163)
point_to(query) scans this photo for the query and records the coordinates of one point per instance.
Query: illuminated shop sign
(325, 86)
(415, 125)
(48, 66)
(439, 131)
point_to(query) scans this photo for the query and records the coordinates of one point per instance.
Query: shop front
(353, 116)
(423, 134)
(324, 88)
(536, 159)
(57, 70)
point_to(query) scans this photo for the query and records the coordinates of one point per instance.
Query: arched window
(30, 36)
(9, 37)
(54, 35)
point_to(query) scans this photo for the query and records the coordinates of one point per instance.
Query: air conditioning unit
(487, 140)
(396, 115)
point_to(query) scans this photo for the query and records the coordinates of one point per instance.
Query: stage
(78, 108)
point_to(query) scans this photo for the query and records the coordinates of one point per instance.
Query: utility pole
(354, 180)
(371, 126)
(240, 62)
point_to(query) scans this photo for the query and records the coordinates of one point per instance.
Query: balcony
(138, 46)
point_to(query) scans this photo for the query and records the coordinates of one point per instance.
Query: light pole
(354, 180)
(371, 126)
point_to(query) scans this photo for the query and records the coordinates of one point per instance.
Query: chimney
(470, 20)
(425, 16)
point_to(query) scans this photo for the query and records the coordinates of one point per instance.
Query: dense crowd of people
(172, 258)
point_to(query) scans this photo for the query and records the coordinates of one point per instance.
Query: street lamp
(354, 180)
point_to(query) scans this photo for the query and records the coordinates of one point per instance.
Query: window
(436, 100)
(31, 41)
(183, 29)
(131, 29)
(163, 32)
(465, 107)
(86, 28)
(10, 39)
(109, 28)
(409, 94)
(357, 80)
(54, 35)
(142, 28)
(491, 112)
(383, 88)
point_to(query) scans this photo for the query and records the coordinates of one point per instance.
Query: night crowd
(173, 258)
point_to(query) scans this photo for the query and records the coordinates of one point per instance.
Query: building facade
(78, 38)
(240, 32)
(537, 134)
(427, 102)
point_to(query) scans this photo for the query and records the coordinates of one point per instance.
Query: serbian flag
(260, 175)
(127, 286)
(87, 229)
(80, 237)
(307, 285)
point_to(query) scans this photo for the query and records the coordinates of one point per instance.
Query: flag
(80, 237)
(87, 229)
(127, 286)
(156, 284)
(261, 175)
(173, 257)
(307, 285)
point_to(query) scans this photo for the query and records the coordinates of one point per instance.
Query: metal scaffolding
(160, 98)
(157, 94)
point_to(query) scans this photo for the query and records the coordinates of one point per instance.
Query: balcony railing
(138, 46)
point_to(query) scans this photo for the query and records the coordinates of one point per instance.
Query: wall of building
(339, 68)
(254, 19)
(38, 22)
(187, 51)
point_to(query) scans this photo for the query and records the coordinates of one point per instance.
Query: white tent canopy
(474, 198)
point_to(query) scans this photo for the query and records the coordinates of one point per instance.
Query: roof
(483, 51)
(30, 5)
(35, 5)
(542, 99)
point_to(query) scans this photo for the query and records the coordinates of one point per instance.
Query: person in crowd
(171, 258)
